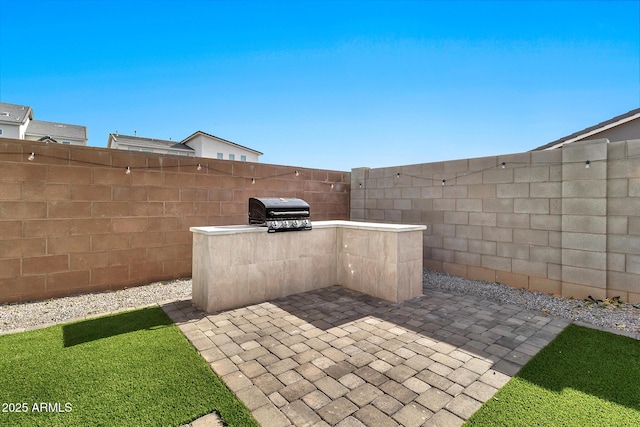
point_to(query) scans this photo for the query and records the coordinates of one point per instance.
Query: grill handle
(288, 213)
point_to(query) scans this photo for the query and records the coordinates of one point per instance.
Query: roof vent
(4, 114)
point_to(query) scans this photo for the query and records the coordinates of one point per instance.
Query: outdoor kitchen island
(239, 265)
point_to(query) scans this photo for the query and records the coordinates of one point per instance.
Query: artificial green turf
(129, 369)
(584, 377)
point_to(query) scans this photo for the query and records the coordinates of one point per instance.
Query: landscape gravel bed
(34, 314)
(607, 314)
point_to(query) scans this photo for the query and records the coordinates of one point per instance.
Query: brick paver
(337, 357)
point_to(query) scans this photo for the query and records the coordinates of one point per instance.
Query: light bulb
(253, 180)
(586, 164)
(443, 182)
(504, 165)
(128, 171)
(31, 156)
(199, 167)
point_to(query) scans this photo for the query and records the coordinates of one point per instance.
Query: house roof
(19, 114)
(592, 130)
(149, 142)
(198, 133)
(14, 114)
(56, 130)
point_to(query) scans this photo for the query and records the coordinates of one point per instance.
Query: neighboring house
(16, 121)
(148, 145)
(620, 128)
(199, 144)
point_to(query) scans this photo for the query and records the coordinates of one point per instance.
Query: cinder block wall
(72, 220)
(623, 220)
(538, 220)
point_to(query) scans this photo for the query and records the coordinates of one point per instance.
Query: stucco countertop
(236, 229)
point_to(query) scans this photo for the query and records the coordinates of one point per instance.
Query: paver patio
(339, 357)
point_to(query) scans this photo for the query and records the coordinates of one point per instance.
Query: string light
(332, 186)
(253, 180)
(587, 165)
(199, 166)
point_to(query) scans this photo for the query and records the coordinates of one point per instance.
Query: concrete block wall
(623, 220)
(584, 219)
(72, 220)
(539, 220)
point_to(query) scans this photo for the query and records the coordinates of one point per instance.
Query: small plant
(613, 302)
(592, 300)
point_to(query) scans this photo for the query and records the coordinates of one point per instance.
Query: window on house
(66, 142)
(243, 158)
(232, 156)
(220, 156)
(0, 131)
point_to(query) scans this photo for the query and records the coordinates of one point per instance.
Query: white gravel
(607, 314)
(35, 314)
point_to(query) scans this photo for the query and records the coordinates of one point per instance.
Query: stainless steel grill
(279, 214)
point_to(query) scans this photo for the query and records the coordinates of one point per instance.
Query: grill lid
(279, 203)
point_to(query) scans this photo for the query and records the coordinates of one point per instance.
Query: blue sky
(326, 84)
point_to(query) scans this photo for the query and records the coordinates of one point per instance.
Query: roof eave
(585, 133)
